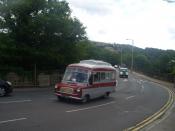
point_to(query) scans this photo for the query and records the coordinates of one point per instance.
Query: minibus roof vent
(95, 62)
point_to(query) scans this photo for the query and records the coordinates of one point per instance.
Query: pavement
(167, 121)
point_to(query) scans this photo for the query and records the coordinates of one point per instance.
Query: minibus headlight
(121, 73)
(9, 83)
(78, 90)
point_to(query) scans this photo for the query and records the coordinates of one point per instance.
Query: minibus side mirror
(91, 79)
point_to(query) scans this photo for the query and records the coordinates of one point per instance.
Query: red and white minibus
(87, 80)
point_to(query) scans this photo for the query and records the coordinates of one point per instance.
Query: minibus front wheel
(60, 98)
(86, 99)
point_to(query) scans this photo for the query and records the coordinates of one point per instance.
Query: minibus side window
(102, 76)
(113, 75)
(107, 76)
(97, 77)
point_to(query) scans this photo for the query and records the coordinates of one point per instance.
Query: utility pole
(132, 64)
(172, 64)
(35, 76)
(121, 55)
(132, 61)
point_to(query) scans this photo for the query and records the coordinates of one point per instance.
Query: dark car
(123, 72)
(5, 88)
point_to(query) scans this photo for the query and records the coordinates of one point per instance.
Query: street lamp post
(172, 63)
(132, 61)
(121, 56)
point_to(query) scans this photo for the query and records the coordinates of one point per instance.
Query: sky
(148, 23)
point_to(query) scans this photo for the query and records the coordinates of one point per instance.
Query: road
(135, 99)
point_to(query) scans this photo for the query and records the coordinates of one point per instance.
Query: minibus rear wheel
(106, 95)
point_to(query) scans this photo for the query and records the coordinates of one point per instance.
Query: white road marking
(127, 98)
(92, 107)
(142, 88)
(132, 79)
(19, 101)
(12, 120)
(52, 98)
(145, 81)
(139, 82)
(125, 80)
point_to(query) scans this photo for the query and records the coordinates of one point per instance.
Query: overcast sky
(150, 23)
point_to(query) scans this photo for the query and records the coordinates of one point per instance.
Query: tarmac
(167, 121)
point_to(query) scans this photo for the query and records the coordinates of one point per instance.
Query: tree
(43, 28)
(142, 63)
(40, 22)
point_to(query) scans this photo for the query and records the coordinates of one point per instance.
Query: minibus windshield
(75, 75)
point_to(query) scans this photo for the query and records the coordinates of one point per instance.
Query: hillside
(151, 61)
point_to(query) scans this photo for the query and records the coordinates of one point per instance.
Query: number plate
(66, 90)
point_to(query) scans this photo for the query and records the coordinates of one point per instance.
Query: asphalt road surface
(135, 99)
